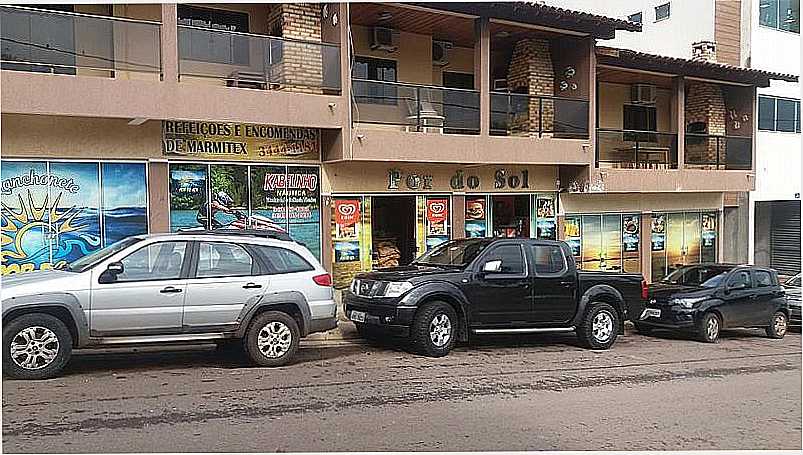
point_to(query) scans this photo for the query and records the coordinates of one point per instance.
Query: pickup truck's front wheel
(35, 346)
(434, 329)
(599, 327)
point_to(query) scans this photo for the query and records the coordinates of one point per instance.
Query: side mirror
(110, 274)
(492, 266)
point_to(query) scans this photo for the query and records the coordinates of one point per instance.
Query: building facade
(763, 34)
(369, 132)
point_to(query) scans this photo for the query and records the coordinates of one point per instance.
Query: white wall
(689, 21)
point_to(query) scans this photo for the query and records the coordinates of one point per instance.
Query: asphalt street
(522, 393)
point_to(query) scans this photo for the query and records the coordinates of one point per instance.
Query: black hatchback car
(705, 298)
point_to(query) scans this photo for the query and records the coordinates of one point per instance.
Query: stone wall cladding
(705, 103)
(297, 67)
(531, 69)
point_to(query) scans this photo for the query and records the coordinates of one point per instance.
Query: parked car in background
(492, 286)
(704, 299)
(792, 286)
(248, 288)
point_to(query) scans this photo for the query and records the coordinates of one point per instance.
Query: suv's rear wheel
(778, 325)
(36, 346)
(599, 327)
(272, 339)
(434, 329)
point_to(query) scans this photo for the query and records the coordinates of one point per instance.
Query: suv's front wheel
(434, 329)
(272, 339)
(36, 346)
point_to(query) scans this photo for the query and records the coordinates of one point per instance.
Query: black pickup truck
(492, 286)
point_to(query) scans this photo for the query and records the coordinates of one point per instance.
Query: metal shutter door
(785, 237)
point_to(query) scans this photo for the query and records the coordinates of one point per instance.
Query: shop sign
(240, 141)
(502, 179)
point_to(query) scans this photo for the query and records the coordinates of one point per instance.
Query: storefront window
(682, 238)
(57, 212)
(278, 198)
(607, 242)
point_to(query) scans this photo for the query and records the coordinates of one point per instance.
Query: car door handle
(170, 290)
(252, 286)
(566, 284)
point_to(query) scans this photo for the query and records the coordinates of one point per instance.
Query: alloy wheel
(274, 339)
(440, 330)
(712, 328)
(780, 324)
(34, 348)
(602, 326)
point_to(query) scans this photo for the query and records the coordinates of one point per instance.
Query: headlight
(688, 302)
(397, 288)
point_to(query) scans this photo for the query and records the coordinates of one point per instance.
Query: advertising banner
(437, 222)
(709, 222)
(546, 224)
(571, 230)
(476, 216)
(658, 232)
(630, 233)
(239, 141)
(347, 218)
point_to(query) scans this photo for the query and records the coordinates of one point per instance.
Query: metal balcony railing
(631, 149)
(416, 107)
(72, 43)
(258, 61)
(719, 152)
(515, 114)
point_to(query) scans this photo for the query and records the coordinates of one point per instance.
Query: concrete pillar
(592, 106)
(326, 233)
(482, 72)
(458, 216)
(646, 246)
(169, 42)
(158, 197)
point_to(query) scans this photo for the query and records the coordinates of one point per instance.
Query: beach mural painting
(56, 212)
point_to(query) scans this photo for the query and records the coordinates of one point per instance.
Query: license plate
(358, 316)
(651, 312)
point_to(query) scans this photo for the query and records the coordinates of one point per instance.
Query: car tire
(49, 353)
(642, 329)
(434, 330)
(779, 324)
(272, 339)
(599, 328)
(709, 329)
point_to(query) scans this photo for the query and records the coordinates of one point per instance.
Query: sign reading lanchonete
(240, 141)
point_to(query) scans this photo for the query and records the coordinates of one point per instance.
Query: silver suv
(250, 289)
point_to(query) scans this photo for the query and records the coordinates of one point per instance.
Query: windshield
(90, 260)
(703, 276)
(457, 253)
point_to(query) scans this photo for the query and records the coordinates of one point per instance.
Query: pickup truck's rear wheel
(36, 346)
(778, 325)
(272, 339)
(434, 329)
(599, 327)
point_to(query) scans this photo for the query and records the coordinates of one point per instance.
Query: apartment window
(635, 17)
(214, 44)
(662, 12)
(373, 72)
(637, 117)
(778, 114)
(780, 14)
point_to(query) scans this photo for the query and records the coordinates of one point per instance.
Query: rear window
(281, 260)
(548, 259)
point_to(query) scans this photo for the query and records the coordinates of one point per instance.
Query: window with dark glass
(740, 280)
(778, 114)
(763, 278)
(511, 257)
(223, 260)
(211, 41)
(662, 12)
(780, 14)
(548, 259)
(636, 117)
(369, 74)
(281, 260)
(635, 17)
(157, 261)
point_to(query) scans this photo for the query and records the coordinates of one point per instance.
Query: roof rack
(247, 232)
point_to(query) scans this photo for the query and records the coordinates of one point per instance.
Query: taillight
(323, 280)
(644, 290)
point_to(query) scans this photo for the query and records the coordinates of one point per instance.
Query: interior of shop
(511, 216)
(393, 230)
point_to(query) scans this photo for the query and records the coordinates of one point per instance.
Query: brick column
(169, 42)
(531, 69)
(299, 65)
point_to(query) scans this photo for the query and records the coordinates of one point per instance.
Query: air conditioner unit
(642, 94)
(440, 52)
(384, 39)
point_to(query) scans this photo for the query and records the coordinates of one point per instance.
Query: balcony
(514, 114)
(628, 149)
(418, 108)
(79, 44)
(705, 151)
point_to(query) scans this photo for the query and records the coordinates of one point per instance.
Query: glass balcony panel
(636, 149)
(705, 151)
(514, 114)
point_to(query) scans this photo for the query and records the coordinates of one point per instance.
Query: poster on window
(545, 224)
(709, 228)
(347, 218)
(346, 251)
(52, 211)
(188, 197)
(630, 233)
(658, 232)
(229, 196)
(268, 199)
(571, 231)
(475, 224)
(437, 216)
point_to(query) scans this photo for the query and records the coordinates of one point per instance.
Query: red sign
(347, 211)
(437, 210)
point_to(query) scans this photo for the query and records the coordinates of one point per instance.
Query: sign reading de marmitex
(240, 141)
